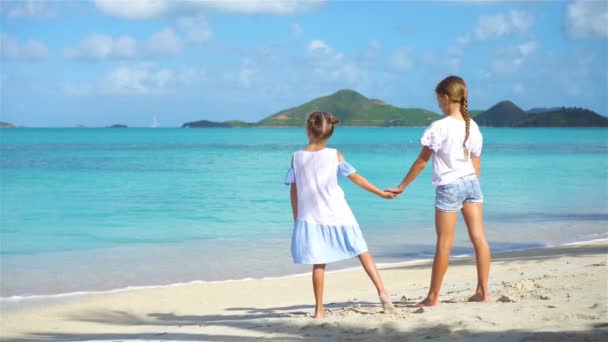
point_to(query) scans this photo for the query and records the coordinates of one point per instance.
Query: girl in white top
(325, 229)
(455, 144)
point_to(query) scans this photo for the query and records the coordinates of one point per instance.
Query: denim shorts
(451, 196)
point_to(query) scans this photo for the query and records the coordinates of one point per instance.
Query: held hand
(388, 195)
(396, 191)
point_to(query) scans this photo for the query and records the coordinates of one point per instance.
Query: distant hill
(353, 109)
(541, 110)
(475, 113)
(6, 125)
(502, 114)
(507, 114)
(213, 124)
(118, 126)
(565, 117)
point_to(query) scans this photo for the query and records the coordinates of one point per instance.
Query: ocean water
(100, 209)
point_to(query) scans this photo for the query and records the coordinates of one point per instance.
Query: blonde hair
(321, 125)
(456, 91)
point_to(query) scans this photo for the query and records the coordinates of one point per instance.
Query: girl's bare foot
(479, 297)
(428, 302)
(387, 304)
(319, 315)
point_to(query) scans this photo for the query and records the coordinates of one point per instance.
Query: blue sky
(107, 61)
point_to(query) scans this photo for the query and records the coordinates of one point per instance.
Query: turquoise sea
(100, 209)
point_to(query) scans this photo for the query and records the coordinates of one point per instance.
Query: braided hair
(464, 110)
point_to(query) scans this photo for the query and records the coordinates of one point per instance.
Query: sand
(552, 294)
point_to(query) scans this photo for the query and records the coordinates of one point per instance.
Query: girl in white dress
(325, 229)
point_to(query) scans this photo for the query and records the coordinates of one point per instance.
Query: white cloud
(485, 75)
(464, 40)
(454, 64)
(518, 88)
(400, 60)
(576, 74)
(480, 2)
(317, 45)
(587, 19)
(297, 31)
(147, 9)
(453, 57)
(138, 79)
(507, 65)
(520, 50)
(493, 27)
(321, 54)
(196, 30)
(189, 75)
(501, 24)
(512, 58)
(332, 66)
(497, 26)
(279, 7)
(346, 75)
(100, 46)
(164, 43)
(440, 64)
(135, 9)
(350, 74)
(31, 8)
(142, 79)
(31, 50)
(527, 48)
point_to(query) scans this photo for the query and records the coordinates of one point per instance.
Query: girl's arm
(415, 170)
(294, 200)
(476, 165)
(365, 184)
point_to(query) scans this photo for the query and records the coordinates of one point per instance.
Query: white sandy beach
(553, 294)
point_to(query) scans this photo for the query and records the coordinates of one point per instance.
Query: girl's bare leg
(473, 217)
(370, 268)
(445, 225)
(318, 276)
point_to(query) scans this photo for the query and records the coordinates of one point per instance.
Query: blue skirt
(313, 243)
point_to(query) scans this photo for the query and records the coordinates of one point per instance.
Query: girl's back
(445, 137)
(320, 198)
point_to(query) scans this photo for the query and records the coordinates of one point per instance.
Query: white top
(320, 198)
(445, 138)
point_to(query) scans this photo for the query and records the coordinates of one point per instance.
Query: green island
(354, 109)
(6, 125)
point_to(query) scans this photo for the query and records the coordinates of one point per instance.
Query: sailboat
(154, 122)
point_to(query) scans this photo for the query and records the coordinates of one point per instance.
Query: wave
(43, 297)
